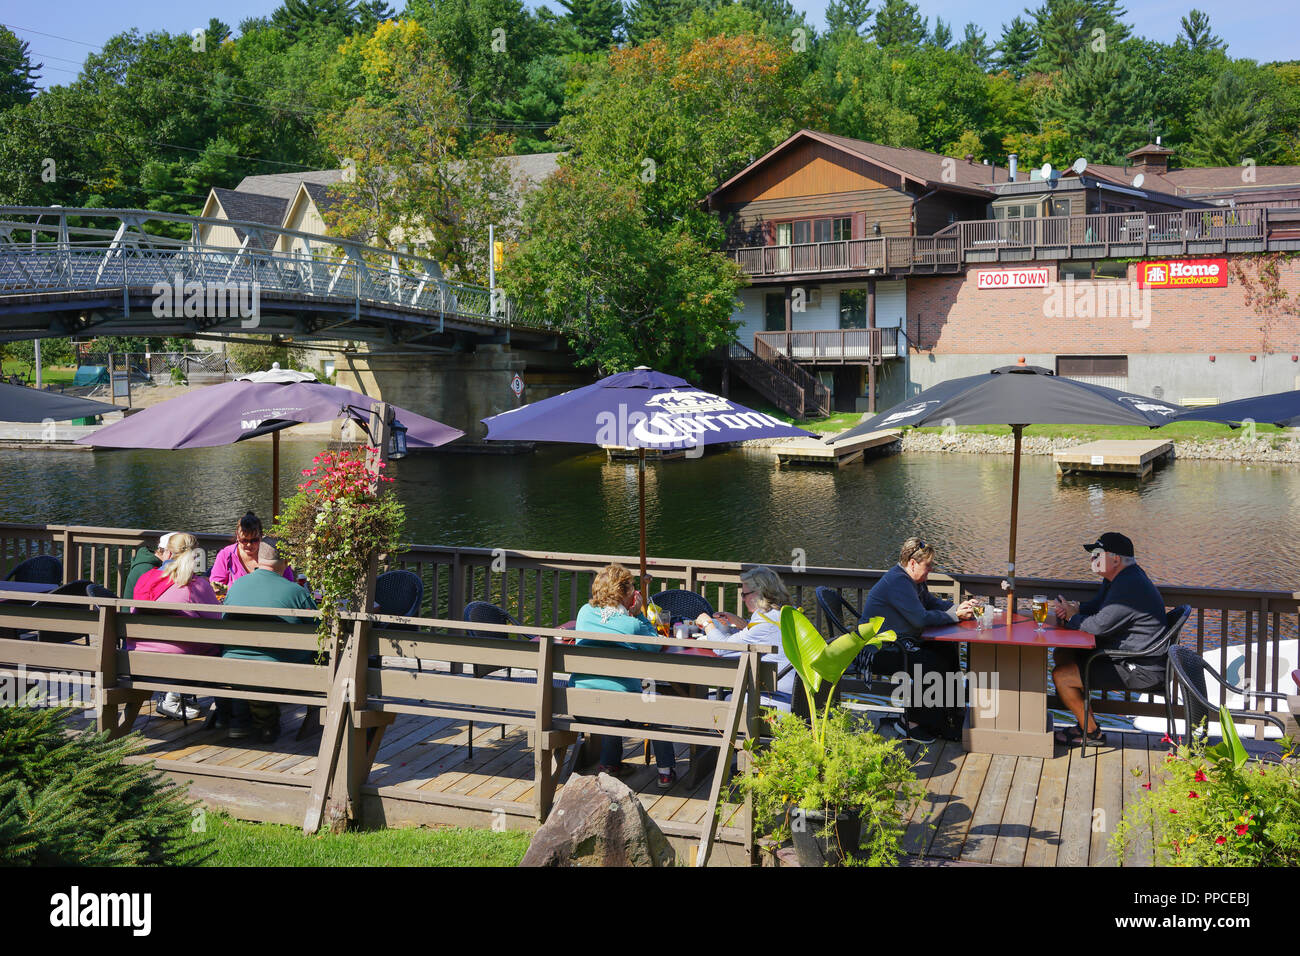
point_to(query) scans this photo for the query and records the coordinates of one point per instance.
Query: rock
(598, 821)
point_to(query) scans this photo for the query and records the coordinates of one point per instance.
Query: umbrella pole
(275, 474)
(640, 488)
(1015, 521)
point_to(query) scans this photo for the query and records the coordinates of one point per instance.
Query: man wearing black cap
(1128, 614)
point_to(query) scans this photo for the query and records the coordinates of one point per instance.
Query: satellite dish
(1138, 180)
(1046, 171)
(1079, 166)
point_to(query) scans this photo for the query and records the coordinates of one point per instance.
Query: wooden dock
(977, 808)
(623, 453)
(1137, 457)
(810, 451)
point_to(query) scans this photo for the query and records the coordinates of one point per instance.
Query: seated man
(265, 586)
(1127, 614)
(903, 600)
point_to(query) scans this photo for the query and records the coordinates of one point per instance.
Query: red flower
(1242, 829)
(1146, 786)
(1200, 777)
(1172, 810)
(1221, 840)
(1191, 794)
(1165, 739)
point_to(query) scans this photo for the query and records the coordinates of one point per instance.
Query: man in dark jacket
(902, 598)
(1127, 614)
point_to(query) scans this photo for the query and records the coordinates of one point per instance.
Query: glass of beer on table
(1040, 611)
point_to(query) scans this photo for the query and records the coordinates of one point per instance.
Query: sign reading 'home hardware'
(1183, 274)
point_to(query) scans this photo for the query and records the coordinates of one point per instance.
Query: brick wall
(949, 315)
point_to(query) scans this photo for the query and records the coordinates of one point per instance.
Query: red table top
(1021, 633)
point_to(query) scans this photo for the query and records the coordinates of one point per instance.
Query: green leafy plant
(1214, 806)
(330, 529)
(72, 800)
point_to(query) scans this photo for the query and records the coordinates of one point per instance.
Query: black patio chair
(42, 569)
(843, 617)
(485, 612)
(682, 605)
(399, 593)
(56, 637)
(1189, 668)
(99, 591)
(1174, 621)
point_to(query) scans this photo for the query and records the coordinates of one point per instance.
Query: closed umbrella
(638, 409)
(18, 403)
(1019, 395)
(245, 408)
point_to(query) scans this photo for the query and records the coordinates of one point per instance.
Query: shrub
(70, 799)
(1209, 809)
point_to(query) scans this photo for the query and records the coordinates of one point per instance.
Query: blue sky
(1261, 29)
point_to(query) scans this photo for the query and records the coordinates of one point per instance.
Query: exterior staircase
(780, 380)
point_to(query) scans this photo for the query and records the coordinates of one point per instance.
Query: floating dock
(810, 451)
(622, 453)
(1137, 458)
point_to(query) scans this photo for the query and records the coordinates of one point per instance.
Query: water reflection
(1209, 523)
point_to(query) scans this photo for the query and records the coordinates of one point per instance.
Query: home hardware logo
(76, 909)
(1183, 274)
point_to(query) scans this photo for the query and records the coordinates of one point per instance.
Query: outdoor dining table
(26, 587)
(1007, 681)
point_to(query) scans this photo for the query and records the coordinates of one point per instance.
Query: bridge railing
(51, 249)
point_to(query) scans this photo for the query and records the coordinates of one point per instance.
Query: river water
(1196, 522)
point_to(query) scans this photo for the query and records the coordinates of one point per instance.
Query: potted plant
(829, 782)
(330, 529)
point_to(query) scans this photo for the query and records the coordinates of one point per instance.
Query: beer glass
(1040, 611)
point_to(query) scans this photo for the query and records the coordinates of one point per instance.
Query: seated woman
(177, 583)
(764, 595)
(240, 558)
(615, 608)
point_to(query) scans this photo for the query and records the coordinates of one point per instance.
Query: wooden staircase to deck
(780, 380)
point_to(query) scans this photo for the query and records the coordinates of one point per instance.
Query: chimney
(1012, 159)
(1151, 159)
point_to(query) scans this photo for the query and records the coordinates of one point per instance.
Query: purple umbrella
(638, 409)
(233, 411)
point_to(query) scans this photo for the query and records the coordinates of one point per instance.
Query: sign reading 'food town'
(1011, 278)
(1183, 274)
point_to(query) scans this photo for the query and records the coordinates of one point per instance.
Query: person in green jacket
(143, 561)
(616, 608)
(265, 586)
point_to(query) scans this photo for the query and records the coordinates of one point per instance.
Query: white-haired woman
(177, 582)
(764, 594)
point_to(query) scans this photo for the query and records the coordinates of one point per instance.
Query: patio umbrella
(18, 403)
(1281, 409)
(638, 409)
(1019, 395)
(258, 404)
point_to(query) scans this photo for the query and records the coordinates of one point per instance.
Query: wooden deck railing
(547, 588)
(884, 254)
(832, 346)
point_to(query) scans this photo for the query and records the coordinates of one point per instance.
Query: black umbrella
(18, 403)
(1018, 395)
(1281, 409)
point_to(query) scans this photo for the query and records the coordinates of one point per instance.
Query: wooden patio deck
(977, 808)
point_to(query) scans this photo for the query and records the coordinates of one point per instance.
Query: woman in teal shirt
(616, 608)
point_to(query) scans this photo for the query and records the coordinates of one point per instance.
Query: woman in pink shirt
(236, 560)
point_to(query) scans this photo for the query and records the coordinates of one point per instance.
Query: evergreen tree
(975, 45)
(1102, 106)
(1197, 35)
(216, 32)
(371, 13)
(848, 16)
(18, 75)
(899, 23)
(301, 17)
(647, 19)
(1234, 125)
(941, 35)
(593, 24)
(71, 800)
(1068, 28)
(1017, 48)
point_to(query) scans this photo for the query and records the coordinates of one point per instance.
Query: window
(1059, 207)
(853, 308)
(841, 229)
(1093, 269)
(783, 233)
(1108, 370)
(822, 230)
(802, 232)
(774, 312)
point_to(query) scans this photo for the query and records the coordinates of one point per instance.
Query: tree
(18, 75)
(1196, 33)
(1017, 48)
(296, 17)
(1069, 28)
(371, 13)
(593, 24)
(647, 19)
(216, 32)
(1236, 124)
(1101, 105)
(974, 45)
(627, 293)
(941, 35)
(848, 16)
(899, 23)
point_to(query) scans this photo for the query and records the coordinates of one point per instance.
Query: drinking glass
(1040, 611)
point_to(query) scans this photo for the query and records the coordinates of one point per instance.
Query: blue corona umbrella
(638, 409)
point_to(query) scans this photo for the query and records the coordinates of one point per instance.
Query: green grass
(50, 376)
(1181, 431)
(240, 843)
(834, 423)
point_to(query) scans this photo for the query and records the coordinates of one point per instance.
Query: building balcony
(851, 258)
(831, 346)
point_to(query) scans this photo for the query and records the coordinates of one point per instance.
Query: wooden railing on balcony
(831, 346)
(882, 253)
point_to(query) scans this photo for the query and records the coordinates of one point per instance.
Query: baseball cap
(1113, 542)
(162, 542)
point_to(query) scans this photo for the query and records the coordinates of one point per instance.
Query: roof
(320, 194)
(928, 170)
(251, 207)
(531, 169)
(1150, 149)
(285, 185)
